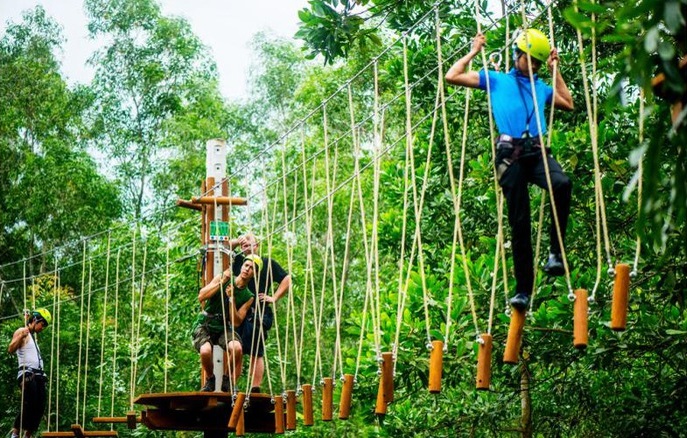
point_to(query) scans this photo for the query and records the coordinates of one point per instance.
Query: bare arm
(211, 288)
(239, 315)
(283, 287)
(457, 75)
(19, 339)
(563, 99)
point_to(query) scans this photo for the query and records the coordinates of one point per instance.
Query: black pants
(34, 402)
(516, 171)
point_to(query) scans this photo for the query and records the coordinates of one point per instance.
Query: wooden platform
(204, 411)
(78, 432)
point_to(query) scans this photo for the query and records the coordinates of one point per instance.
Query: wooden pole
(308, 418)
(241, 425)
(327, 399)
(621, 294)
(346, 395)
(278, 414)
(436, 362)
(380, 406)
(237, 411)
(484, 362)
(580, 317)
(517, 323)
(290, 410)
(388, 376)
(219, 200)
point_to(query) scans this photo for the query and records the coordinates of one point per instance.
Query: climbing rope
(78, 373)
(102, 328)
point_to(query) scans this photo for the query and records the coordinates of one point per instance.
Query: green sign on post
(219, 230)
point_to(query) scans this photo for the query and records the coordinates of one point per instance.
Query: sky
(226, 26)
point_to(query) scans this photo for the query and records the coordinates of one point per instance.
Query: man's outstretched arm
(457, 75)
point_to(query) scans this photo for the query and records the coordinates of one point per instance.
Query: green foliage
(154, 103)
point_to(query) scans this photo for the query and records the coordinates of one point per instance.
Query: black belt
(32, 371)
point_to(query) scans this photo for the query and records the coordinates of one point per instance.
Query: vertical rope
(78, 374)
(133, 320)
(114, 337)
(410, 155)
(52, 341)
(167, 317)
(102, 328)
(590, 104)
(640, 182)
(137, 338)
(88, 338)
(58, 325)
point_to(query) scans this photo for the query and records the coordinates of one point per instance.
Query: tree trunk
(525, 400)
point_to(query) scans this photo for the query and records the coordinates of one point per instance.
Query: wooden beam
(117, 420)
(220, 200)
(188, 204)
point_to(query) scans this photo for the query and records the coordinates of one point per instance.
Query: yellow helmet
(535, 43)
(42, 314)
(256, 259)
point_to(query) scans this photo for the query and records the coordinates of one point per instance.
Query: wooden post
(278, 414)
(517, 323)
(241, 424)
(290, 410)
(327, 399)
(388, 376)
(380, 406)
(131, 420)
(346, 395)
(237, 411)
(308, 418)
(621, 294)
(436, 361)
(580, 316)
(484, 362)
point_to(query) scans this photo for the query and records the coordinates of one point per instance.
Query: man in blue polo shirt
(519, 157)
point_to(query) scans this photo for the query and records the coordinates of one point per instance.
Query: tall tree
(149, 73)
(50, 189)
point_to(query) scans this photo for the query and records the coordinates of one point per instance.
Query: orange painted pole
(436, 362)
(278, 414)
(621, 294)
(219, 200)
(241, 425)
(290, 410)
(346, 395)
(237, 410)
(517, 323)
(380, 406)
(580, 318)
(308, 419)
(388, 376)
(484, 362)
(327, 399)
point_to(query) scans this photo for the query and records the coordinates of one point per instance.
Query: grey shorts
(201, 335)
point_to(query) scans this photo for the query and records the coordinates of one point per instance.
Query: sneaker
(255, 389)
(554, 266)
(209, 384)
(225, 383)
(520, 301)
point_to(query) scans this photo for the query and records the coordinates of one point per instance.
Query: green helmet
(42, 315)
(535, 43)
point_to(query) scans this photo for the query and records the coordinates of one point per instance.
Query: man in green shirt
(219, 322)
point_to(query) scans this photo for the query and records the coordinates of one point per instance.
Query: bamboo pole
(346, 395)
(517, 323)
(436, 361)
(308, 419)
(290, 410)
(580, 316)
(621, 294)
(484, 362)
(327, 399)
